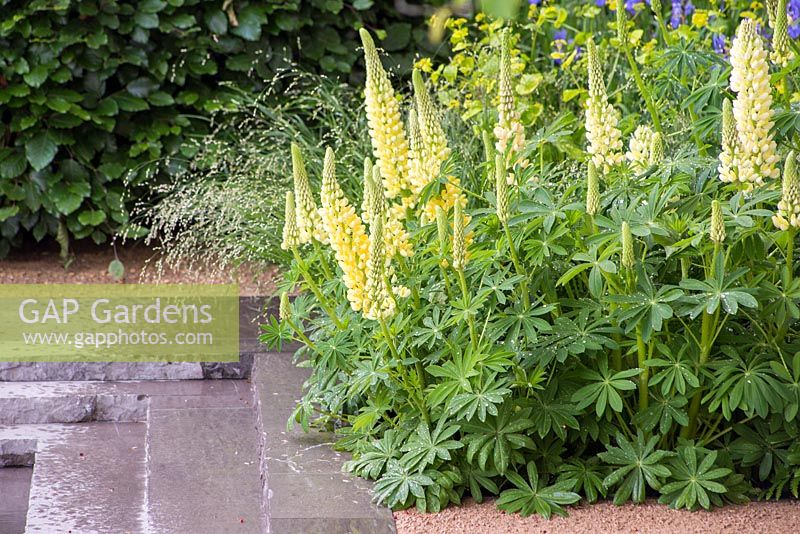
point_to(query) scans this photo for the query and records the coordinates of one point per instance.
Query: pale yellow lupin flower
(752, 108)
(389, 143)
(638, 153)
(592, 190)
(291, 236)
(459, 239)
(309, 223)
(378, 302)
(432, 150)
(602, 132)
(717, 231)
(348, 237)
(788, 215)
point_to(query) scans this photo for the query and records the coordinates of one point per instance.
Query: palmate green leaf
(648, 308)
(371, 461)
(604, 388)
(662, 411)
(424, 447)
(791, 379)
(552, 415)
(494, 443)
(478, 480)
(694, 479)
(763, 444)
(584, 477)
(638, 465)
(533, 496)
(720, 290)
(745, 383)
(483, 399)
(572, 337)
(677, 370)
(398, 483)
(598, 266)
(520, 322)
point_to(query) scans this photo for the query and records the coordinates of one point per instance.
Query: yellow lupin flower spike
(657, 149)
(757, 157)
(639, 146)
(717, 231)
(788, 215)
(378, 302)
(309, 223)
(385, 123)
(728, 162)
(348, 237)
(433, 143)
(509, 131)
(781, 51)
(602, 132)
(369, 195)
(291, 235)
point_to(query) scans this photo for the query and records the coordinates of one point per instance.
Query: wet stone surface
(15, 484)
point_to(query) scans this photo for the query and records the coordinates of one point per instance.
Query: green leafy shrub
(93, 93)
(585, 321)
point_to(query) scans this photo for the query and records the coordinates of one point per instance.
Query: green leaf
(13, 165)
(116, 269)
(8, 212)
(40, 150)
(533, 496)
(638, 465)
(92, 217)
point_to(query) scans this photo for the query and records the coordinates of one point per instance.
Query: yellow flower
(638, 153)
(291, 236)
(424, 64)
(700, 18)
(602, 132)
(309, 223)
(427, 140)
(782, 53)
(378, 302)
(752, 107)
(348, 237)
(788, 215)
(509, 131)
(385, 125)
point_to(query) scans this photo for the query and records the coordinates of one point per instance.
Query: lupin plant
(622, 326)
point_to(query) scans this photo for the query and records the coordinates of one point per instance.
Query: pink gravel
(652, 518)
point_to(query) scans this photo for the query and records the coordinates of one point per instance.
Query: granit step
(88, 477)
(305, 489)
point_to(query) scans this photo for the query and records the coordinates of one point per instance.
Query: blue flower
(534, 2)
(676, 16)
(559, 42)
(718, 43)
(793, 10)
(600, 3)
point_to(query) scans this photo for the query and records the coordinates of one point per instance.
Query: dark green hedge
(92, 92)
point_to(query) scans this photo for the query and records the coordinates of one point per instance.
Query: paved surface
(305, 489)
(172, 456)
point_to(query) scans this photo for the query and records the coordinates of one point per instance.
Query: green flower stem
(323, 262)
(643, 90)
(787, 280)
(473, 336)
(315, 289)
(662, 29)
(418, 398)
(518, 267)
(301, 336)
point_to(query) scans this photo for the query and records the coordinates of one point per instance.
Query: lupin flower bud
(772, 10)
(728, 160)
(291, 235)
(509, 131)
(285, 309)
(348, 238)
(622, 33)
(309, 222)
(434, 142)
(592, 190)
(605, 138)
(459, 244)
(757, 156)
(638, 153)
(378, 302)
(781, 52)
(655, 6)
(501, 189)
(717, 231)
(788, 215)
(628, 257)
(385, 124)
(371, 190)
(657, 149)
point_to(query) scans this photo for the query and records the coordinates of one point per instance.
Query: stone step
(305, 489)
(80, 371)
(88, 477)
(15, 484)
(69, 402)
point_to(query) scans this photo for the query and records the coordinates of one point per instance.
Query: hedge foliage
(93, 92)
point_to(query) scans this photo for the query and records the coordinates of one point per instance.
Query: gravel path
(651, 518)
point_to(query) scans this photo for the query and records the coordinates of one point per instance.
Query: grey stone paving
(182, 456)
(305, 488)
